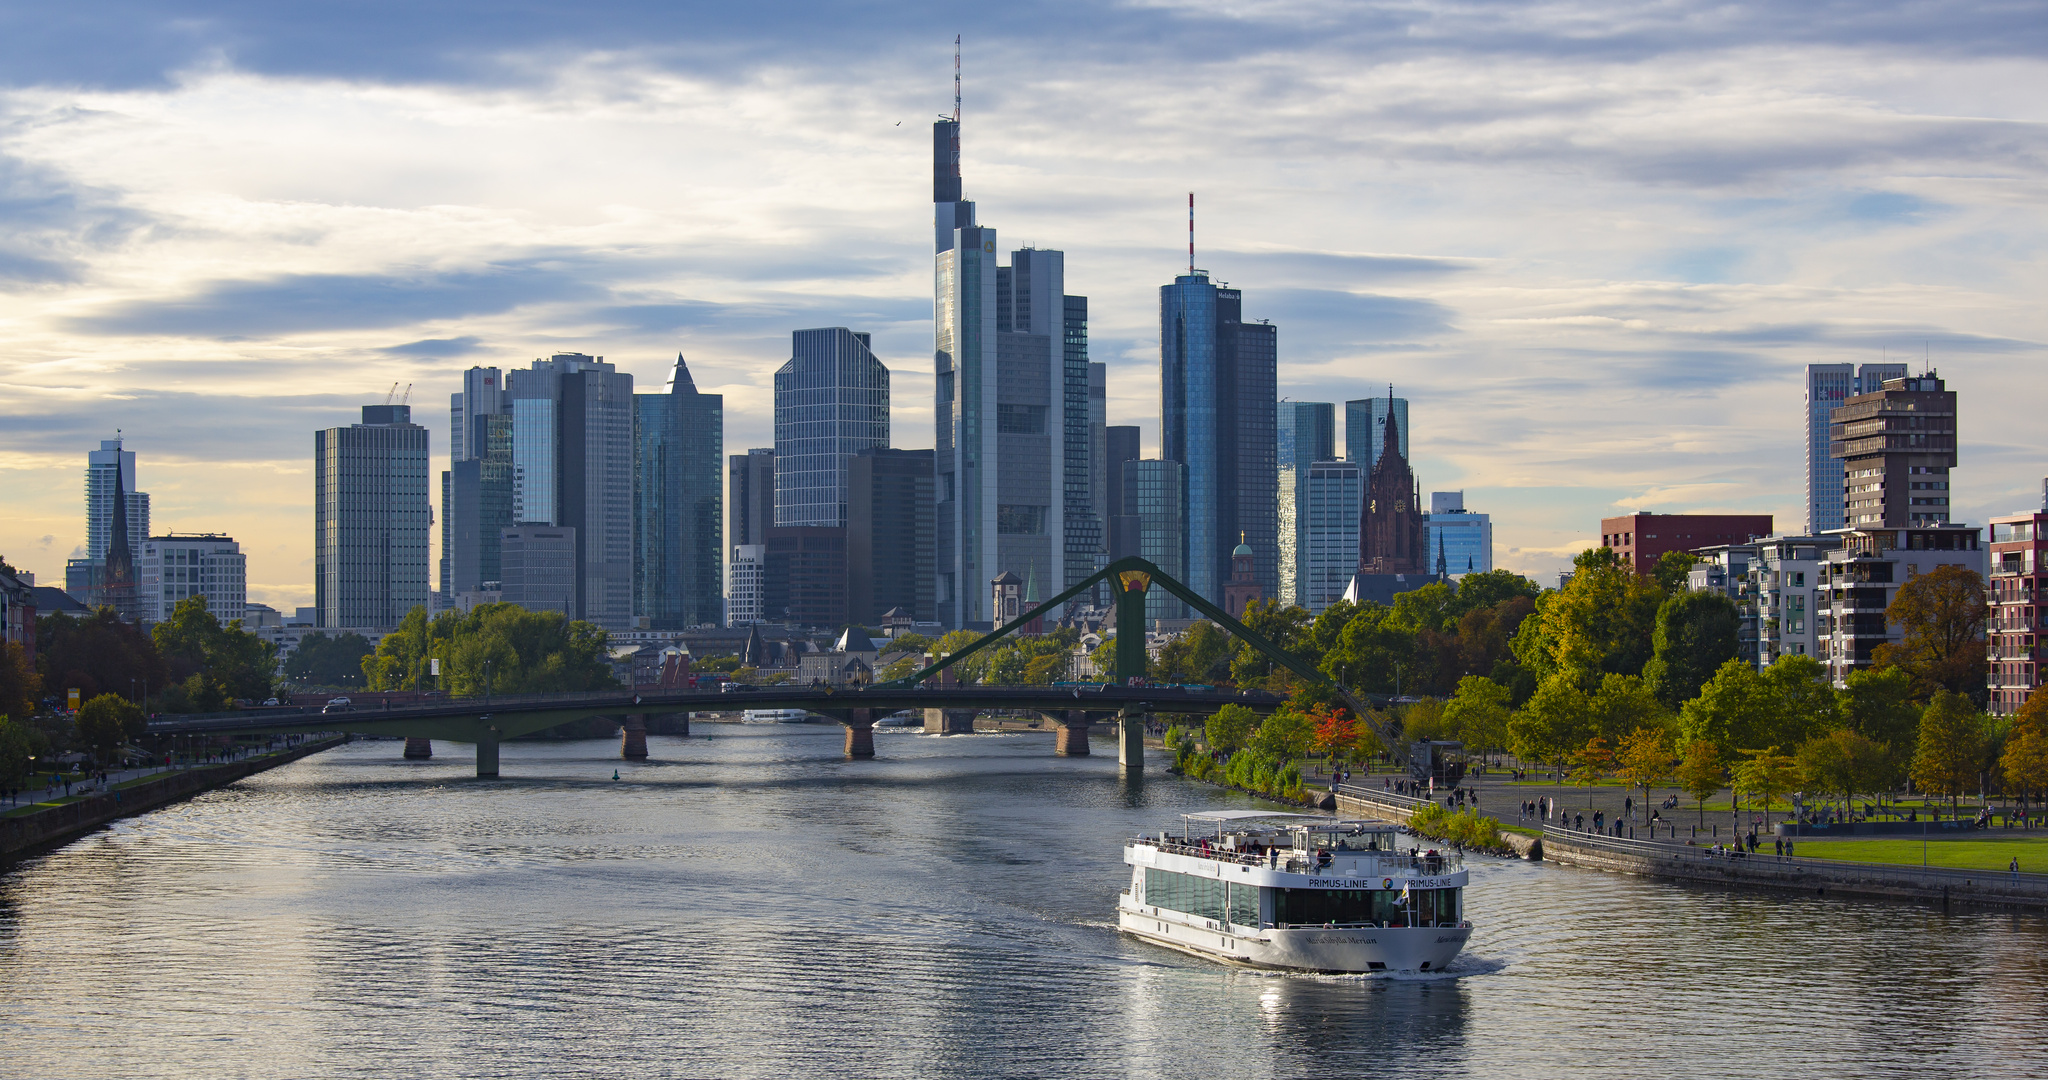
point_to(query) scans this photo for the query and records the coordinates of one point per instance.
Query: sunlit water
(750, 905)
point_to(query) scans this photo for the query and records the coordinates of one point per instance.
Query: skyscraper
(572, 458)
(891, 535)
(1827, 387)
(1124, 533)
(1306, 433)
(1463, 539)
(1152, 493)
(750, 496)
(371, 517)
(1335, 491)
(831, 402)
(482, 395)
(1896, 445)
(1217, 413)
(476, 495)
(99, 499)
(1365, 425)
(678, 504)
(1083, 400)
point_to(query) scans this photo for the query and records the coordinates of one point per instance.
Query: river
(751, 905)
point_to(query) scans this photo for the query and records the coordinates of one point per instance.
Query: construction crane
(391, 393)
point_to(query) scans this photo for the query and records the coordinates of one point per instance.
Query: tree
(1951, 746)
(1877, 703)
(1335, 730)
(2025, 760)
(1479, 713)
(1806, 704)
(20, 686)
(1592, 761)
(96, 655)
(1624, 703)
(1603, 619)
(1643, 759)
(1695, 635)
(213, 663)
(17, 745)
(1942, 614)
(1556, 720)
(1841, 763)
(321, 660)
(1370, 651)
(1431, 607)
(971, 670)
(1200, 655)
(1699, 773)
(107, 721)
(1492, 589)
(1285, 627)
(1672, 571)
(1485, 633)
(1228, 729)
(1784, 705)
(1286, 734)
(1766, 774)
(527, 652)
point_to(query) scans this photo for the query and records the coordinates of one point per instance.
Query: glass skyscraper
(1463, 539)
(1365, 425)
(1305, 433)
(1827, 387)
(371, 516)
(1152, 492)
(678, 506)
(1331, 501)
(831, 402)
(572, 466)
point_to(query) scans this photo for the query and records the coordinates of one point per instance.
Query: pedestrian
(2015, 866)
(1778, 846)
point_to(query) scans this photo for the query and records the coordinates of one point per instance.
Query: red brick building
(1640, 538)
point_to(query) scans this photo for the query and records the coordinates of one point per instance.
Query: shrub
(1465, 828)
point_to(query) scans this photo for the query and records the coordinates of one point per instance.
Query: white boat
(775, 716)
(1298, 892)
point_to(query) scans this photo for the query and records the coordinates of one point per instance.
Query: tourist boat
(1298, 892)
(775, 716)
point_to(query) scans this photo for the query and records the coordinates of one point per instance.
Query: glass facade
(1827, 387)
(1365, 424)
(1332, 498)
(1152, 494)
(1187, 420)
(533, 460)
(679, 443)
(831, 402)
(1218, 417)
(1462, 538)
(1305, 432)
(1223, 901)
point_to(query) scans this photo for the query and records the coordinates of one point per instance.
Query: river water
(751, 905)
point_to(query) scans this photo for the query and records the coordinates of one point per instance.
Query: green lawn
(1991, 853)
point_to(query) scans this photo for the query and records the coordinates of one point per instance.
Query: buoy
(615, 774)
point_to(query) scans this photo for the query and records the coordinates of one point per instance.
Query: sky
(1594, 244)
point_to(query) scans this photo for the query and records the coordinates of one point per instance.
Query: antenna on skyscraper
(956, 78)
(1191, 234)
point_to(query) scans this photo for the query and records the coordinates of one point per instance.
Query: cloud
(50, 225)
(1345, 317)
(438, 347)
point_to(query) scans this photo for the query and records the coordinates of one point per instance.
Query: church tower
(1391, 537)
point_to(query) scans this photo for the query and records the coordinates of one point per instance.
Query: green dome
(1241, 549)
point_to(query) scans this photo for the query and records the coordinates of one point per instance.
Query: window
(945, 387)
(1017, 520)
(1020, 419)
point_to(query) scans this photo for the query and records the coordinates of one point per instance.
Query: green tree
(1784, 705)
(1603, 619)
(401, 661)
(97, 655)
(1877, 703)
(1766, 774)
(1287, 628)
(20, 686)
(1695, 635)
(214, 663)
(17, 745)
(1672, 570)
(1368, 653)
(1806, 700)
(1424, 721)
(1622, 704)
(1484, 637)
(1841, 763)
(1557, 720)
(1699, 773)
(1590, 763)
(974, 669)
(1492, 589)
(1286, 735)
(1479, 713)
(1229, 728)
(106, 722)
(323, 660)
(1431, 607)
(1951, 746)
(1643, 759)
(1942, 614)
(1200, 655)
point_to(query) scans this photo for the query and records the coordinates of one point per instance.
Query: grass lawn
(1991, 853)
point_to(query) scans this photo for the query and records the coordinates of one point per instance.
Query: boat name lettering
(1383, 883)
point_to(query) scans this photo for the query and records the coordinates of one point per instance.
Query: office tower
(806, 581)
(1217, 412)
(1827, 387)
(572, 466)
(476, 507)
(1153, 492)
(1305, 433)
(176, 566)
(1335, 491)
(100, 482)
(1008, 347)
(744, 581)
(1123, 533)
(750, 491)
(1365, 425)
(482, 395)
(541, 566)
(1896, 445)
(678, 504)
(831, 402)
(1084, 392)
(371, 518)
(891, 535)
(1098, 471)
(1463, 539)
(1641, 539)
(1390, 535)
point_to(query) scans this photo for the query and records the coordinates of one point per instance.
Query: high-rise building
(1084, 394)
(2019, 583)
(1331, 501)
(831, 402)
(482, 396)
(750, 495)
(678, 504)
(1642, 539)
(745, 578)
(1391, 539)
(1460, 541)
(1896, 445)
(1305, 433)
(572, 466)
(171, 568)
(891, 535)
(371, 520)
(541, 568)
(1098, 470)
(100, 482)
(1010, 353)
(1219, 398)
(1861, 578)
(1124, 530)
(805, 583)
(1365, 426)
(1152, 493)
(1827, 387)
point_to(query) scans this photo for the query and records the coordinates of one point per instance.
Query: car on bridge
(337, 705)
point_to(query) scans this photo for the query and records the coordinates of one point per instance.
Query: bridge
(488, 721)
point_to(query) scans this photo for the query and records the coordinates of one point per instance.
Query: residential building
(482, 395)
(1641, 539)
(1391, 537)
(831, 402)
(1218, 407)
(180, 565)
(745, 582)
(1828, 386)
(891, 535)
(371, 520)
(806, 579)
(678, 505)
(1365, 429)
(2018, 608)
(1305, 433)
(1334, 496)
(572, 466)
(541, 566)
(1859, 580)
(1896, 445)
(750, 496)
(1152, 492)
(1784, 597)
(1460, 542)
(18, 611)
(1725, 569)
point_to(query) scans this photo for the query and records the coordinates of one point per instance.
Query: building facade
(2018, 598)
(745, 582)
(573, 454)
(678, 505)
(750, 495)
(1460, 542)
(1784, 595)
(806, 578)
(1828, 386)
(1334, 499)
(1896, 445)
(372, 517)
(1305, 432)
(1391, 537)
(1365, 429)
(891, 535)
(541, 568)
(1724, 569)
(1152, 493)
(831, 402)
(171, 568)
(100, 483)
(1859, 580)
(1641, 539)
(476, 507)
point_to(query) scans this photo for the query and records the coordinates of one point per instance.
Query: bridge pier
(487, 758)
(949, 721)
(633, 739)
(418, 748)
(1071, 740)
(860, 733)
(1130, 741)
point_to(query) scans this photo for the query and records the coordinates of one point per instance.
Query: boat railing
(1388, 925)
(1350, 863)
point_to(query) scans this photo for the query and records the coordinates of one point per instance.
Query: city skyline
(1804, 213)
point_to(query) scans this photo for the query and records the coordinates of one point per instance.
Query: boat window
(1186, 892)
(1244, 904)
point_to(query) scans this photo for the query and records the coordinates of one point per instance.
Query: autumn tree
(1590, 763)
(1643, 759)
(2024, 763)
(1951, 746)
(1603, 619)
(1699, 773)
(1942, 615)
(1335, 731)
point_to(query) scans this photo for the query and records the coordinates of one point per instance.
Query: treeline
(499, 648)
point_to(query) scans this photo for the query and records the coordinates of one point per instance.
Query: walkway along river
(754, 905)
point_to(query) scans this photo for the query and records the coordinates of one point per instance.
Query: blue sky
(1593, 243)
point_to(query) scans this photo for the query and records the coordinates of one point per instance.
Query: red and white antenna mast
(956, 78)
(1191, 234)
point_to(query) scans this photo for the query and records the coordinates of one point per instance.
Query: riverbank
(22, 835)
(1352, 799)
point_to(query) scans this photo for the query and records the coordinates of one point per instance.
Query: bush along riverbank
(1246, 770)
(1466, 828)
